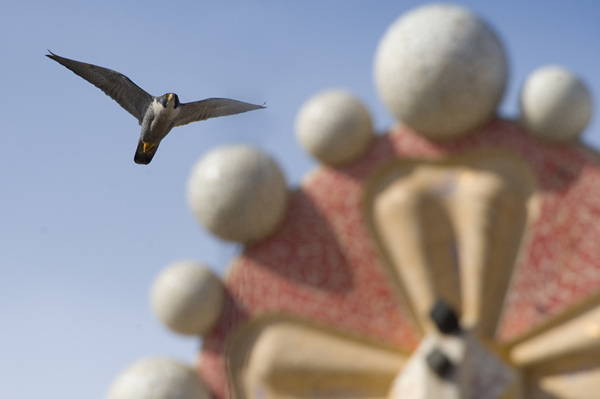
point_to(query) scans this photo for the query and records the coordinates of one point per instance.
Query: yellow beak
(147, 147)
(170, 96)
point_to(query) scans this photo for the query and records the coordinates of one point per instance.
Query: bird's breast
(168, 114)
(158, 122)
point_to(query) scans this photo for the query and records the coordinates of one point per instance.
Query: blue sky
(84, 230)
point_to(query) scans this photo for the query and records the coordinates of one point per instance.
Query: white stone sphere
(555, 104)
(334, 127)
(238, 193)
(187, 297)
(441, 70)
(158, 379)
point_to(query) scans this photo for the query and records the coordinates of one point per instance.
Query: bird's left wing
(211, 108)
(114, 84)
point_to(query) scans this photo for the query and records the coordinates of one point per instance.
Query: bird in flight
(156, 115)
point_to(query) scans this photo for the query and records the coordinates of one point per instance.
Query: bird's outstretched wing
(114, 84)
(211, 108)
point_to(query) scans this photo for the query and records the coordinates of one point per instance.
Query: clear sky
(84, 230)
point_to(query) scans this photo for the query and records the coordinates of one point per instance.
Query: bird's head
(170, 99)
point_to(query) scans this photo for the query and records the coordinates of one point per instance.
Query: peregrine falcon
(156, 115)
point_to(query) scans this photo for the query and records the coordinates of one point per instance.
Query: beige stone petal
(571, 345)
(279, 358)
(582, 385)
(453, 230)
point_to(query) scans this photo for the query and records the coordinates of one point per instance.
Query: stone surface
(579, 337)
(555, 104)
(327, 263)
(472, 371)
(473, 208)
(188, 297)
(158, 378)
(334, 127)
(417, 380)
(281, 357)
(580, 385)
(238, 193)
(441, 70)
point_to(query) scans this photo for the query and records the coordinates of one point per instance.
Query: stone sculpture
(333, 294)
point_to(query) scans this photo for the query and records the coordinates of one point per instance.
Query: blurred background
(84, 230)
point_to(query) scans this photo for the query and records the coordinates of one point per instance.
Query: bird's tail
(142, 157)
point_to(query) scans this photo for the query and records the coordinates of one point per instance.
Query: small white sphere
(334, 127)
(188, 297)
(158, 379)
(238, 193)
(441, 70)
(555, 104)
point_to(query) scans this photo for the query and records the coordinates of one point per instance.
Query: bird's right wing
(211, 108)
(114, 84)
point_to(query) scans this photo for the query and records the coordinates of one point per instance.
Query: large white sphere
(441, 70)
(188, 297)
(334, 127)
(238, 193)
(555, 104)
(158, 379)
